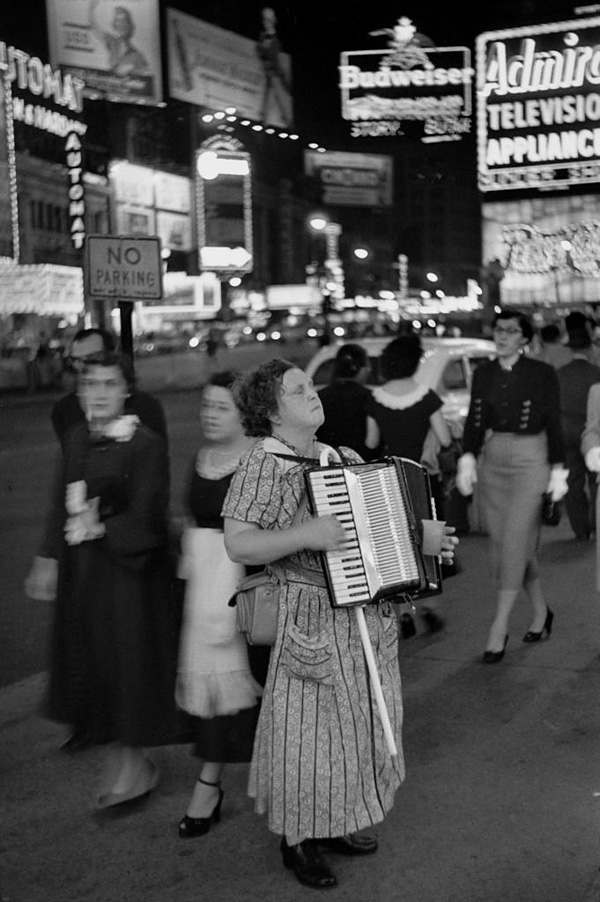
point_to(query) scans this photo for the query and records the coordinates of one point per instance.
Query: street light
(331, 281)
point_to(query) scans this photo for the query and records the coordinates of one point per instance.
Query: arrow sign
(224, 258)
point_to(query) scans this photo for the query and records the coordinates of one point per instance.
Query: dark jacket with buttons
(523, 401)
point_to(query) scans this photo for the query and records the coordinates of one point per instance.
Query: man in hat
(575, 379)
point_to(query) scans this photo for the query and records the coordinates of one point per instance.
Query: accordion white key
(380, 504)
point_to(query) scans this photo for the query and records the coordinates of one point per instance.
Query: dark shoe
(78, 742)
(142, 786)
(305, 861)
(530, 636)
(351, 844)
(493, 657)
(189, 827)
(433, 622)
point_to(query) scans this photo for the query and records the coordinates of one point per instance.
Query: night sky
(315, 33)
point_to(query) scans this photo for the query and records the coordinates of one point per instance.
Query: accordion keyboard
(345, 567)
(378, 557)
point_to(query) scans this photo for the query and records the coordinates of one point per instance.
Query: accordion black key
(381, 505)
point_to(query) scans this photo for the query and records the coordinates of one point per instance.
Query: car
(447, 367)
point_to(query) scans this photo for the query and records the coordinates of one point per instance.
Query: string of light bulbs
(227, 117)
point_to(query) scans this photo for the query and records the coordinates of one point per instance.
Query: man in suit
(575, 379)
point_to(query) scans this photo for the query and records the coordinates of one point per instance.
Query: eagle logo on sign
(407, 45)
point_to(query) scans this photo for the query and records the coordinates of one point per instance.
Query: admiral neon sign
(538, 106)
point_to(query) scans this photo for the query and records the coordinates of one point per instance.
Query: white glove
(592, 460)
(466, 473)
(40, 582)
(557, 486)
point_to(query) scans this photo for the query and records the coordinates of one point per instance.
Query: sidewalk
(501, 801)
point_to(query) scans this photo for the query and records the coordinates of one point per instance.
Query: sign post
(124, 269)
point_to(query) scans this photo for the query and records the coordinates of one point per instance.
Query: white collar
(399, 402)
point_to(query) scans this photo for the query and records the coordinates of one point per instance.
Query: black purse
(551, 510)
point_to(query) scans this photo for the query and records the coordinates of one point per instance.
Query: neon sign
(412, 87)
(539, 106)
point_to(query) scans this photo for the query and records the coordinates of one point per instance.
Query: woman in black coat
(114, 643)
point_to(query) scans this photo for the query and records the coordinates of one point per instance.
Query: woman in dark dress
(215, 684)
(404, 410)
(112, 669)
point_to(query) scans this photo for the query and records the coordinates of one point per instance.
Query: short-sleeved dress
(320, 766)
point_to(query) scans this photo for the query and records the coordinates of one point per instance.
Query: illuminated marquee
(224, 204)
(33, 78)
(538, 107)
(412, 87)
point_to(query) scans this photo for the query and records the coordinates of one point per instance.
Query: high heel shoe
(189, 827)
(492, 657)
(145, 781)
(530, 636)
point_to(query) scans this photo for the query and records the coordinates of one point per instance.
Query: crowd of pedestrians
(131, 670)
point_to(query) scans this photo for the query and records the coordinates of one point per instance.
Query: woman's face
(102, 392)
(508, 337)
(299, 404)
(219, 415)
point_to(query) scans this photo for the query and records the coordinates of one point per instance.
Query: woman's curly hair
(257, 395)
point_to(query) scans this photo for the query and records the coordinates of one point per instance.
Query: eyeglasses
(500, 330)
(76, 364)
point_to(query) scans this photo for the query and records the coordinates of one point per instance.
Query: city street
(502, 795)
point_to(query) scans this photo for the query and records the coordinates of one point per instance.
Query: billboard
(113, 45)
(149, 202)
(545, 250)
(351, 179)
(214, 68)
(538, 106)
(412, 88)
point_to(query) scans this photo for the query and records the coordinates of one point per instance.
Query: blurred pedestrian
(345, 402)
(553, 349)
(112, 670)
(214, 684)
(514, 423)
(321, 768)
(590, 448)
(575, 380)
(67, 412)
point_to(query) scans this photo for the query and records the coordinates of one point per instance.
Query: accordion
(381, 505)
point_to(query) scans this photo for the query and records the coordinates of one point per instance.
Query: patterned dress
(320, 766)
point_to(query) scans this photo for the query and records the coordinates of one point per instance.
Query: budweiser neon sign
(413, 87)
(539, 106)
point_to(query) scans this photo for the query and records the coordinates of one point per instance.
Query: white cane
(376, 682)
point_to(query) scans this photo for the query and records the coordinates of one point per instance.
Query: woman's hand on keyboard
(324, 533)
